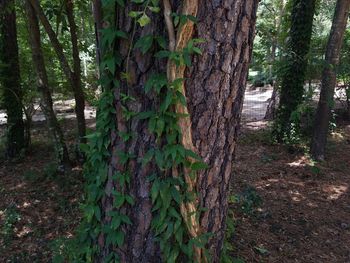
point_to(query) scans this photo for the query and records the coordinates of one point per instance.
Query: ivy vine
(175, 203)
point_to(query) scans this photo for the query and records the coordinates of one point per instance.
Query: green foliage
(167, 193)
(31, 176)
(228, 248)
(295, 66)
(50, 170)
(248, 200)
(11, 217)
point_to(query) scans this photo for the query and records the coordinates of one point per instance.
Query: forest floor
(38, 207)
(287, 208)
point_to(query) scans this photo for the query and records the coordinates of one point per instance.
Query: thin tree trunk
(43, 87)
(273, 103)
(97, 13)
(79, 94)
(274, 100)
(10, 78)
(328, 83)
(70, 75)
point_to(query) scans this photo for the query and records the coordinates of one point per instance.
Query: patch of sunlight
(24, 231)
(296, 196)
(335, 191)
(337, 136)
(257, 125)
(301, 162)
(311, 204)
(26, 204)
(18, 186)
(69, 235)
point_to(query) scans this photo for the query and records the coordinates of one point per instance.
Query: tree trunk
(70, 75)
(43, 87)
(292, 84)
(10, 78)
(272, 103)
(214, 91)
(328, 83)
(79, 93)
(97, 13)
(274, 100)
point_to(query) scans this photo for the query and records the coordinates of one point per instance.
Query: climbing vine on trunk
(175, 212)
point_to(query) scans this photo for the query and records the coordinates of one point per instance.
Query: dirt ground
(290, 209)
(37, 206)
(287, 208)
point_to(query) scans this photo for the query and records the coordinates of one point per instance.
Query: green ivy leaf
(154, 9)
(144, 43)
(167, 101)
(199, 166)
(160, 127)
(162, 54)
(155, 190)
(135, 14)
(144, 20)
(121, 3)
(147, 157)
(145, 115)
(110, 63)
(120, 238)
(129, 199)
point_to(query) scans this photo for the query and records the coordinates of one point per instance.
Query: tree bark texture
(328, 83)
(43, 87)
(215, 88)
(70, 74)
(10, 78)
(293, 76)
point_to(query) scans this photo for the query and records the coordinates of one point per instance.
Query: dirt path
(294, 211)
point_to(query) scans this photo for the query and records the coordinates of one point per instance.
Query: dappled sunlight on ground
(335, 191)
(37, 206)
(305, 211)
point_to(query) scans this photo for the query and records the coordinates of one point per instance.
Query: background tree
(76, 72)
(43, 87)
(325, 104)
(97, 13)
(292, 83)
(10, 78)
(72, 76)
(142, 160)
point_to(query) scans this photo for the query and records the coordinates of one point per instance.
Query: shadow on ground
(305, 211)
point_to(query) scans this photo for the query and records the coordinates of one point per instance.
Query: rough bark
(43, 87)
(215, 89)
(70, 75)
(10, 78)
(328, 82)
(139, 244)
(292, 83)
